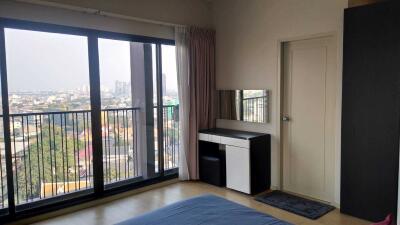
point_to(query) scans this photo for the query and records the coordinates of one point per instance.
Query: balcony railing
(171, 136)
(52, 151)
(52, 154)
(3, 176)
(120, 144)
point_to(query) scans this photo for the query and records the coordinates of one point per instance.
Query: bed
(204, 210)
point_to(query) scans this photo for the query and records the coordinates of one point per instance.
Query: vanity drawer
(214, 138)
(204, 137)
(235, 142)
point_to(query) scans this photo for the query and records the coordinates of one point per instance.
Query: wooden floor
(128, 207)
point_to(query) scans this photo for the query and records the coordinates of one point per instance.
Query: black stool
(212, 170)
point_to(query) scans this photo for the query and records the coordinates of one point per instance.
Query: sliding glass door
(49, 106)
(128, 93)
(86, 113)
(170, 109)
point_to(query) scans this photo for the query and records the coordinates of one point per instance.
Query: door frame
(338, 106)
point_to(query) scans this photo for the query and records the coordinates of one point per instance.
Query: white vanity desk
(248, 163)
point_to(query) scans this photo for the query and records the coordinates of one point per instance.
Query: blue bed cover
(204, 210)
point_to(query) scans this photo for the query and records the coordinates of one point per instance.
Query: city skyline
(59, 62)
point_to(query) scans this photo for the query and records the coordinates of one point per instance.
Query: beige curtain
(182, 67)
(202, 92)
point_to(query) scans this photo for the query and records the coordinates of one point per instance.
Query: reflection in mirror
(244, 105)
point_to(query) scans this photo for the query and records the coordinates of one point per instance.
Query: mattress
(204, 210)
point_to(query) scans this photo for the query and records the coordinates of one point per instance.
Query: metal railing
(254, 109)
(3, 175)
(171, 136)
(120, 144)
(52, 151)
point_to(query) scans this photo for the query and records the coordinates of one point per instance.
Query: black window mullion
(241, 106)
(160, 118)
(95, 102)
(6, 124)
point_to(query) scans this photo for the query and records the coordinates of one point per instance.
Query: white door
(238, 168)
(308, 116)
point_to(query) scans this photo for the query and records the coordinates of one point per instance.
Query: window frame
(26, 210)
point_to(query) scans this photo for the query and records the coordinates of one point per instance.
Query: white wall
(187, 12)
(192, 12)
(248, 35)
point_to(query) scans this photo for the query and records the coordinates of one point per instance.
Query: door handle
(285, 118)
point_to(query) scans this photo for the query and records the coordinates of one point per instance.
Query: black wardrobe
(371, 111)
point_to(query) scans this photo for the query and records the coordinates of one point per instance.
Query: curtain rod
(98, 12)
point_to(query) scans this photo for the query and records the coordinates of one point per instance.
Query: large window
(170, 107)
(129, 125)
(89, 113)
(48, 89)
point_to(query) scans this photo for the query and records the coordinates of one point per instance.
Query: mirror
(244, 105)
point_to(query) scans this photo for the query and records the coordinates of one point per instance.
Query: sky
(41, 61)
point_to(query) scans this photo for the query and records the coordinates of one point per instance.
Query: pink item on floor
(388, 221)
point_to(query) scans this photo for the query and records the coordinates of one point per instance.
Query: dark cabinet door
(370, 113)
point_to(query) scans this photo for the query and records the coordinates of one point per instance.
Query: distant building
(122, 88)
(51, 189)
(164, 84)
